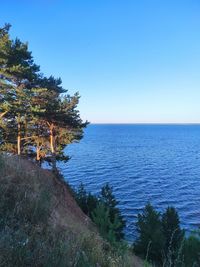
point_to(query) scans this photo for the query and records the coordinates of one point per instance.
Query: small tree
(81, 198)
(191, 251)
(86, 201)
(172, 232)
(150, 242)
(107, 227)
(103, 211)
(107, 197)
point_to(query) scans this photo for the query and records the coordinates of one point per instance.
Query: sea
(143, 163)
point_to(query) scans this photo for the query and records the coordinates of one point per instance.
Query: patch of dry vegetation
(42, 225)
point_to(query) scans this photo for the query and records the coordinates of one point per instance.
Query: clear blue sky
(131, 60)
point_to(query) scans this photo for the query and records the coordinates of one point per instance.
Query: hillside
(42, 225)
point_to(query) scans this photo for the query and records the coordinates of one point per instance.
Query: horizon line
(149, 123)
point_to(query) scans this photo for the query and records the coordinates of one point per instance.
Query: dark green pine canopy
(38, 117)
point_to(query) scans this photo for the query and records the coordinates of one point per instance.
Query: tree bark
(38, 153)
(52, 143)
(52, 146)
(19, 139)
(2, 114)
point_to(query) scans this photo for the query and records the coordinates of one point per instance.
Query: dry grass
(42, 225)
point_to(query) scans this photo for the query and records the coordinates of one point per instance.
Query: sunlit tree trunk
(52, 142)
(52, 146)
(38, 153)
(19, 137)
(3, 114)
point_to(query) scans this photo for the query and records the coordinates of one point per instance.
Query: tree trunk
(52, 143)
(52, 139)
(38, 153)
(19, 139)
(2, 114)
(52, 146)
(26, 127)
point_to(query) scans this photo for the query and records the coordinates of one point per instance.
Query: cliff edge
(42, 225)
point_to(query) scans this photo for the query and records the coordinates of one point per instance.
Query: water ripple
(157, 163)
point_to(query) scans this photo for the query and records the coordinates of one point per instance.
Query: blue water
(156, 163)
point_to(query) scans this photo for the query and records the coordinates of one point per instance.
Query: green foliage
(111, 203)
(37, 116)
(86, 201)
(108, 228)
(103, 211)
(101, 218)
(161, 241)
(191, 251)
(173, 234)
(150, 242)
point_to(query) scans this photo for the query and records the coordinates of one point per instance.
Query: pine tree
(58, 112)
(191, 251)
(37, 116)
(107, 227)
(86, 201)
(108, 198)
(17, 72)
(81, 198)
(150, 242)
(172, 232)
